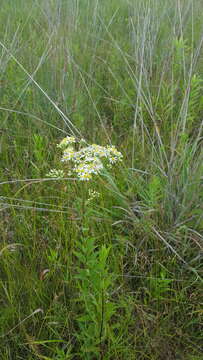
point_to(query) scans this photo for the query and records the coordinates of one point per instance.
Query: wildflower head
(68, 154)
(93, 195)
(55, 173)
(86, 161)
(68, 140)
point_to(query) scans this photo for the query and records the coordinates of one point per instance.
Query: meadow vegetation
(109, 268)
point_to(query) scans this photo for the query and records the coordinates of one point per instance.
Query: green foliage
(39, 148)
(94, 282)
(159, 287)
(195, 104)
(154, 191)
(110, 270)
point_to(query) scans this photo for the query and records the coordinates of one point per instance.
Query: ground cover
(109, 268)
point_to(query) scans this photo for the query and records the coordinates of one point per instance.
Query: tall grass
(118, 276)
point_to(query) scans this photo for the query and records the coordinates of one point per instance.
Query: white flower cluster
(92, 195)
(66, 141)
(54, 173)
(86, 161)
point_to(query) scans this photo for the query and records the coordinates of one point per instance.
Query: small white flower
(68, 154)
(92, 195)
(85, 176)
(66, 141)
(55, 173)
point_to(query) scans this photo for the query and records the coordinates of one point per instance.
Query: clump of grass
(111, 268)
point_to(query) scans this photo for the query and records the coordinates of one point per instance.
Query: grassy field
(117, 275)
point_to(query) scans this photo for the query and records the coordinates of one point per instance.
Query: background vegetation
(119, 276)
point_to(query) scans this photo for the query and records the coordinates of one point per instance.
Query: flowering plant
(83, 160)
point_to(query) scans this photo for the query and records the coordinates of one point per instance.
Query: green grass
(119, 277)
